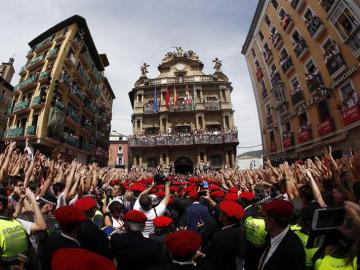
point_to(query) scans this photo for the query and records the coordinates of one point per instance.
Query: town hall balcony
(184, 139)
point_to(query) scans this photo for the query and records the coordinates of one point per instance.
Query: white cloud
(135, 31)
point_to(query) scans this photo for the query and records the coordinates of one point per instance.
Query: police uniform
(255, 234)
(13, 240)
(333, 263)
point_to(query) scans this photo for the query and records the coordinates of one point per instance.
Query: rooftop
(81, 22)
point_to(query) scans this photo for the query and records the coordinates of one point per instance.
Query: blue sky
(132, 32)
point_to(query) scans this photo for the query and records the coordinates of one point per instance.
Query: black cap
(48, 198)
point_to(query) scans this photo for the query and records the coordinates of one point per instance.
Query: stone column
(197, 122)
(140, 160)
(141, 126)
(224, 123)
(232, 163)
(205, 157)
(226, 157)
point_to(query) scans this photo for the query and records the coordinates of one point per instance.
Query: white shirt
(275, 241)
(150, 215)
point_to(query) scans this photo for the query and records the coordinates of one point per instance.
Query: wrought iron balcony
(43, 44)
(212, 105)
(36, 101)
(300, 47)
(14, 132)
(76, 91)
(326, 4)
(36, 61)
(21, 105)
(91, 107)
(26, 84)
(52, 53)
(314, 26)
(313, 81)
(71, 139)
(286, 64)
(59, 105)
(186, 79)
(184, 139)
(334, 61)
(94, 90)
(74, 115)
(31, 130)
(297, 97)
(151, 108)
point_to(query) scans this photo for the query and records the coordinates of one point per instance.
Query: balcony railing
(326, 127)
(74, 115)
(94, 90)
(334, 61)
(297, 97)
(36, 101)
(24, 84)
(76, 91)
(186, 79)
(21, 105)
(300, 47)
(52, 53)
(150, 108)
(91, 107)
(313, 25)
(44, 75)
(259, 74)
(71, 139)
(59, 105)
(212, 105)
(43, 44)
(14, 132)
(83, 74)
(286, 64)
(268, 56)
(275, 78)
(305, 135)
(31, 130)
(313, 81)
(296, 4)
(185, 139)
(326, 4)
(35, 61)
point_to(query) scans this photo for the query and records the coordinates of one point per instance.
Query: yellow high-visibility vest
(255, 231)
(332, 263)
(13, 239)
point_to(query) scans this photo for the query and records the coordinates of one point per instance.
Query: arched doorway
(183, 165)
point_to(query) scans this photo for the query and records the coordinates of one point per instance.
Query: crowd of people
(174, 137)
(60, 215)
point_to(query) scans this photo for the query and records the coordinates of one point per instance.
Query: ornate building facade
(63, 99)
(6, 92)
(182, 118)
(303, 59)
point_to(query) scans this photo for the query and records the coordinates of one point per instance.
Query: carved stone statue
(179, 51)
(218, 65)
(144, 70)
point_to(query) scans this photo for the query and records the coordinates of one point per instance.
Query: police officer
(255, 237)
(14, 232)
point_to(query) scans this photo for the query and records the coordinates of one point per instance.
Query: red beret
(231, 209)
(194, 194)
(162, 222)
(115, 182)
(69, 215)
(79, 259)
(183, 244)
(214, 187)
(161, 194)
(217, 194)
(190, 188)
(247, 196)
(233, 190)
(279, 207)
(85, 204)
(138, 187)
(174, 189)
(135, 216)
(231, 197)
(161, 186)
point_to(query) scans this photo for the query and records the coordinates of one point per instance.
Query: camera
(160, 179)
